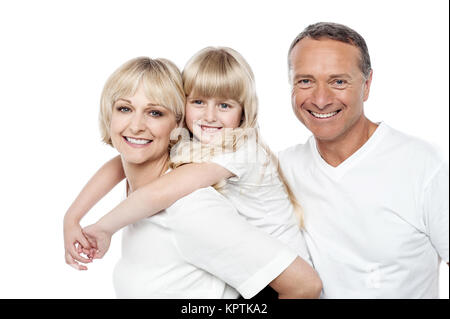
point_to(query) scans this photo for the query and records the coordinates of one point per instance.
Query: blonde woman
(230, 110)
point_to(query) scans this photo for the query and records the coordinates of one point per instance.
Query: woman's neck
(138, 175)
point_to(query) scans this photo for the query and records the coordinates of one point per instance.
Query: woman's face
(207, 117)
(140, 128)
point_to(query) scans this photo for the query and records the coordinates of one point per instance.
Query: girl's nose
(210, 113)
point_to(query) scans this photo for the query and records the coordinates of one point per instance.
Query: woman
(199, 247)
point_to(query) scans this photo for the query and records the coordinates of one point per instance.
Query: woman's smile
(137, 142)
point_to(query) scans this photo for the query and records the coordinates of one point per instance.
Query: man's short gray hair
(336, 32)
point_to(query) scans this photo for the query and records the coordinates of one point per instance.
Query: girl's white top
(258, 194)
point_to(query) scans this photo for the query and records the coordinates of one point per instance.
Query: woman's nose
(322, 96)
(137, 123)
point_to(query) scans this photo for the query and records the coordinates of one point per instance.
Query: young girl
(223, 149)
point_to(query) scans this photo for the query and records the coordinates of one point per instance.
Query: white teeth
(135, 141)
(322, 116)
(210, 129)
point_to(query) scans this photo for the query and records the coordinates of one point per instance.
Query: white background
(56, 56)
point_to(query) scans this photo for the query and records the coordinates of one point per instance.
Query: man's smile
(323, 115)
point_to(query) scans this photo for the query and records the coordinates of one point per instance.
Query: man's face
(328, 87)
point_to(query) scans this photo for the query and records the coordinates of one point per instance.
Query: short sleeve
(436, 210)
(211, 235)
(240, 161)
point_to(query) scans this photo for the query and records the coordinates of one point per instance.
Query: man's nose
(322, 96)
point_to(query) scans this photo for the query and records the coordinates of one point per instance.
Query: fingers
(75, 252)
(99, 253)
(71, 262)
(84, 241)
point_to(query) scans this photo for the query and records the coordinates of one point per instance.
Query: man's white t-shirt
(258, 194)
(376, 225)
(199, 247)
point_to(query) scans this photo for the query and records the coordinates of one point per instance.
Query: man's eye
(339, 82)
(304, 82)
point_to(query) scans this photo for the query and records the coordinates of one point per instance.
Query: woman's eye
(123, 109)
(156, 113)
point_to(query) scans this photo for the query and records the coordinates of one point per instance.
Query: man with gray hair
(375, 199)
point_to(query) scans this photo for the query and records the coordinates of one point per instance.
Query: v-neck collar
(338, 172)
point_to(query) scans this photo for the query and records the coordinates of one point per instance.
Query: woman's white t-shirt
(200, 247)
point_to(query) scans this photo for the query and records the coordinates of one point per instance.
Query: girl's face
(140, 129)
(207, 117)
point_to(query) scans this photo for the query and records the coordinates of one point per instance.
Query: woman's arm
(109, 175)
(158, 195)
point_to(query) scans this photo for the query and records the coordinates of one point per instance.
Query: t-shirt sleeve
(436, 210)
(211, 235)
(239, 162)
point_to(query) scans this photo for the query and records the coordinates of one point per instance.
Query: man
(375, 199)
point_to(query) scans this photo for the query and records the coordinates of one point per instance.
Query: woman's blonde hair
(223, 72)
(162, 83)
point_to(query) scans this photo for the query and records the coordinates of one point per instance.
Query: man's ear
(367, 84)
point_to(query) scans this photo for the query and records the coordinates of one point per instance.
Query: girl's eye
(197, 101)
(224, 106)
(155, 113)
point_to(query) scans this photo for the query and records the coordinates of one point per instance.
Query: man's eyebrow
(303, 76)
(342, 75)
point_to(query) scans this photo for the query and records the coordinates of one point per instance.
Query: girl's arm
(160, 194)
(109, 175)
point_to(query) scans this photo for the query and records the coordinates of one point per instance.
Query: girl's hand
(99, 239)
(75, 243)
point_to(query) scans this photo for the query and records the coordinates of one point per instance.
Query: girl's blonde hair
(162, 83)
(223, 72)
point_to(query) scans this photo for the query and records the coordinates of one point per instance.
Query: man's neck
(139, 175)
(338, 150)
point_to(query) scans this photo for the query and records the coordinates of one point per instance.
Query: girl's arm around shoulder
(109, 175)
(162, 193)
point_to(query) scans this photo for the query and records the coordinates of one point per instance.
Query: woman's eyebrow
(129, 102)
(125, 100)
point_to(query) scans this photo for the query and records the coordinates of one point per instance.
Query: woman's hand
(99, 238)
(75, 244)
